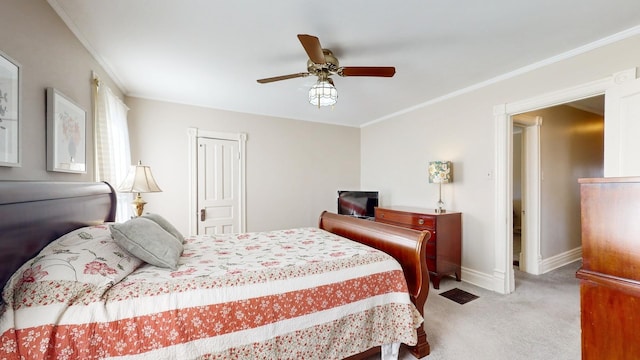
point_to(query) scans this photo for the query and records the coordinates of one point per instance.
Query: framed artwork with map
(66, 134)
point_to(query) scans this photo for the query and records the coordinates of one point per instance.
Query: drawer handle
(421, 221)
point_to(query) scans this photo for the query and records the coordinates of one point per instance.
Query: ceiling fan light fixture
(323, 93)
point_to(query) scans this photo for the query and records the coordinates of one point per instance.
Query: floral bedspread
(292, 294)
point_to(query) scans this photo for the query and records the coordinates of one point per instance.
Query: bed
(110, 304)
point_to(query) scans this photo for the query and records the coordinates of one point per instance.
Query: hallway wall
(571, 147)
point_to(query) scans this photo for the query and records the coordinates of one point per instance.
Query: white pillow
(76, 267)
(148, 241)
(86, 255)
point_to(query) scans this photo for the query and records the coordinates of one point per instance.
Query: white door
(622, 129)
(218, 190)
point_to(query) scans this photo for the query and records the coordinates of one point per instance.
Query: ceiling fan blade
(311, 45)
(282, 77)
(381, 71)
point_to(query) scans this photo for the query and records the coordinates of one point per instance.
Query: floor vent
(459, 296)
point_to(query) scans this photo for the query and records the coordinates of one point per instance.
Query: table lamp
(139, 180)
(439, 173)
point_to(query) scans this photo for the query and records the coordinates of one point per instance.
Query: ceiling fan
(323, 64)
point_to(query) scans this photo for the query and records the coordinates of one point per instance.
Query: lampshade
(139, 180)
(440, 172)
(323, 93)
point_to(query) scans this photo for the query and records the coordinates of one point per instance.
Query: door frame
(241, 138)
(531, 184)
(503, 273)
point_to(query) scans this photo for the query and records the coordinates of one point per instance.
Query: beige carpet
(540, 320)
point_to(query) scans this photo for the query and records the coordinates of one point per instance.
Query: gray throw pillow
(167, 226)
(148, 241)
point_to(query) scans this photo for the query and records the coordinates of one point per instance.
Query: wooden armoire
(610, 272)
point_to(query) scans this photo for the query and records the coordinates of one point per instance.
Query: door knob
(203, 214)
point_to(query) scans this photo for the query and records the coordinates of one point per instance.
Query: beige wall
(571, 147)
(294, 168)
(50, 56)
(395, 152)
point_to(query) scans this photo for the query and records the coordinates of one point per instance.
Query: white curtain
(112, 150)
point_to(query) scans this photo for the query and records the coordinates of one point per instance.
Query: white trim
(503, 113)
(616, 141)
(241, 138)
(193, 179)
(533, 178)
(523, 70)
(503, 220)
(561, 260)
(531, 202)
(527, 120)
(478, 278)
(559, 97)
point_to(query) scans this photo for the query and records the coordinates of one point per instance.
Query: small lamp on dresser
(440, 173)
(139, 180)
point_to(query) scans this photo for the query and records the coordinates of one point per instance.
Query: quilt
(291, 294)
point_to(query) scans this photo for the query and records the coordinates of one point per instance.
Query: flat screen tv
(357, 203)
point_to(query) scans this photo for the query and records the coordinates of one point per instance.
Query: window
(112, 150)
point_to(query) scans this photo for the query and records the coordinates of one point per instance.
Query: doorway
(559, 145)
(217, 182)
(504, 278)
(218, 200)
(621, 128)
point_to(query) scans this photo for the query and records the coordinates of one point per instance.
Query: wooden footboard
(405, 245)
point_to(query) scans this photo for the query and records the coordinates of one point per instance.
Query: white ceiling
(210, 53)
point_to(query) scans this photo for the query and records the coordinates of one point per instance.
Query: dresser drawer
(443, 251)
(414, 221)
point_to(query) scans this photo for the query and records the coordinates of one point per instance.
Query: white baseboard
(481, 279)
(496, 282)
(560, 260)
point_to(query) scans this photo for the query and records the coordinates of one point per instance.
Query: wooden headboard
(34, 213)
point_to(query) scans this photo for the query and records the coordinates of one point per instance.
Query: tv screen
(357, 203)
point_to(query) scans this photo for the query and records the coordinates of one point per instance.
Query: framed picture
(66, 134)
(10, 103)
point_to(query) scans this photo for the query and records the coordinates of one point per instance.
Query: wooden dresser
(610, 272)
(444, 248)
